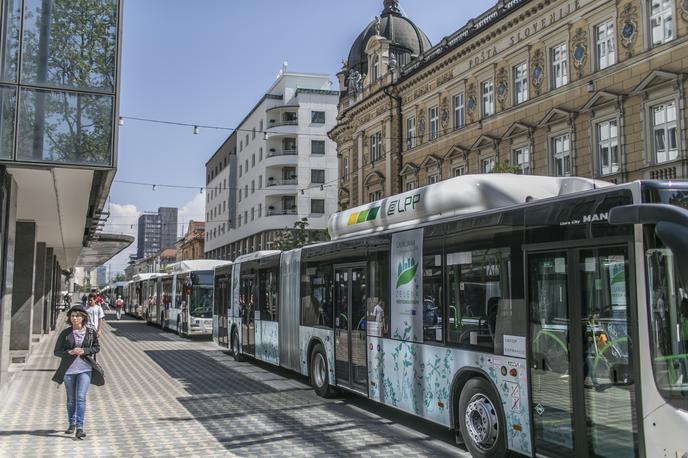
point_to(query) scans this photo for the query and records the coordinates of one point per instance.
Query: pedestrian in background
(119, 306)
(77, 346)
(95, 315)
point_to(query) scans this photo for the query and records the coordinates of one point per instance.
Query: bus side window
(433, 290)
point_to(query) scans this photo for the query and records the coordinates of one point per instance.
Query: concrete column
(39, 314)
(57, 288)
(388, 157)
(48, 290)
(22, 289)
(8, 218)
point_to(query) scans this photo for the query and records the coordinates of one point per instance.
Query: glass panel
(341, 325)
(9, 47)
(65, 127)
(358, 326)
(8, 112)
(668, 300)
(432, 298)
(609, 386)
(70, 43)
(247, 304)
(549, 328)
(201, 301)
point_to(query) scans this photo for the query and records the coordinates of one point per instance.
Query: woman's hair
(83, 314)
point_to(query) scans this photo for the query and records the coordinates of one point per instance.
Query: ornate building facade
(592, 88)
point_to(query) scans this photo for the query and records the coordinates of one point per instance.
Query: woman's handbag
(98, 373)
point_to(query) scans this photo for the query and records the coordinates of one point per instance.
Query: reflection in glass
(65, 127)
(9, 46)
(70, 43)
(8, 109)
(549, 328)
(607, 346)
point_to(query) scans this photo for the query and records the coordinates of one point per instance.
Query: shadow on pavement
(137, 331)
(250, 409)
(38, 432)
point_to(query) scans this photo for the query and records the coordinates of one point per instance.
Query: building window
(665, 140)
(260, 181)
(241, 145)
(521, 157)
(260, 154)
(253, 160)
(253, 134)
(240, 169)
(487, 164)
(561, 155)
(246, 217)
(410, 186)
(376, 68)
(253, 186)
(434, 117)
(260, 128)
(487, 90)
(245, 191)
(520, 83)
(411, 132)
(345, 168)
(560, 75)
(246, 140)
(239, 221)
(661, 21)
(239, 195)
(317, 146)
(606, 50)
(376, 147)
(260, 210)
(317, 176)
(246, 166)
(458, 171)
(432, 179)
(375, 195)
(318, 206)
(318, 117)
(608, 147)
(459, 111)
(253, 213)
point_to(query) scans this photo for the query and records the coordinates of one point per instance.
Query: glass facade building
(58, 81)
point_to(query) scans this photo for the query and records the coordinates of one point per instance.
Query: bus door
(221, 301)
(247, 305)
(582, 364)
(350, 327)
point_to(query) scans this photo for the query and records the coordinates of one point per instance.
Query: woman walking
(77, 345)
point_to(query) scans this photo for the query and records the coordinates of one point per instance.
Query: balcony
(284, 152)
(286, 122)
(281, 212)
(286, 182)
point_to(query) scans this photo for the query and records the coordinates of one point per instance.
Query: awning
(103, 248)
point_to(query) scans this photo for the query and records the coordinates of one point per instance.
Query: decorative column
(388, 156)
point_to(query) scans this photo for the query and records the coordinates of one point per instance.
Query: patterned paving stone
(169, 396)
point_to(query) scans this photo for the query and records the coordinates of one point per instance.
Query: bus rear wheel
(236, 351)
(481, 419)
(320, 380)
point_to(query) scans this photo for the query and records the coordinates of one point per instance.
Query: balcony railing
(283, 123)
(283, 152)
(292, 181)
(281, 212)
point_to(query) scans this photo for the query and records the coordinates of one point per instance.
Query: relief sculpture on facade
(537, 70)
(471, 102)
(628, 28)
(579, 51)
(502, 87)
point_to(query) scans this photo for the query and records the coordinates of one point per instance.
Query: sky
(208, 62)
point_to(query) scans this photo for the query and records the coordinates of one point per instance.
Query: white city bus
(545, 316)
(142, 289)
(186, 297)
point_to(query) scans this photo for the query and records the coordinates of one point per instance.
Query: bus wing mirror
(671, 227)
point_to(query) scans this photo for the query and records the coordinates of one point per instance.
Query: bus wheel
(320, 379)
(162, 322)
(179, 329)
(481, 419)
(236, 351)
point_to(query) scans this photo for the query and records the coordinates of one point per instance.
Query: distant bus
(545, 316)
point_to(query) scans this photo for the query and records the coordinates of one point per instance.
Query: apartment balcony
(281, 212)
(279, 157)
(285, 182)
(283, 121)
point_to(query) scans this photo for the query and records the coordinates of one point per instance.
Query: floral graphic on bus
(406, 271)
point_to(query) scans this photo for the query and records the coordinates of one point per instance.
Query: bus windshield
(668, 301)
(201, 301)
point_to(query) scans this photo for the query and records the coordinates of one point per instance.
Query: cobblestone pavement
(168, 396)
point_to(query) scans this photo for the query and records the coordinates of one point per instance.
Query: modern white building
(286, 167)
(220, 199)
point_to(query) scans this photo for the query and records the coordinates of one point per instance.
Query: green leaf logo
(407, 275)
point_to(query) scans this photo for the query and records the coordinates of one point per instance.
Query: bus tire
(319, 372)
(236, 351)
(481, 419)
(162, 322)
(179, 329)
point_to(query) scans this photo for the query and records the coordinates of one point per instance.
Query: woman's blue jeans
(77, 387)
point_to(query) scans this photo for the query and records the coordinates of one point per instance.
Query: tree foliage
(298, 236)
(503, 168)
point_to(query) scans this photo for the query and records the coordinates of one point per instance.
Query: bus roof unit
(457, 196)
(196, 264)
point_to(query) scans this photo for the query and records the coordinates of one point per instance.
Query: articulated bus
(142, 292)
(545, 316)
(186, 299)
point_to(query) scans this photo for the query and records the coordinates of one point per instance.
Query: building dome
(406, 38)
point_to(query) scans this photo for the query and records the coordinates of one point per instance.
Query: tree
(121, 277)
(501, 168)
(298, 236)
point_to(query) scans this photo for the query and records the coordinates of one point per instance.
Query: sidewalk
(168, 396)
